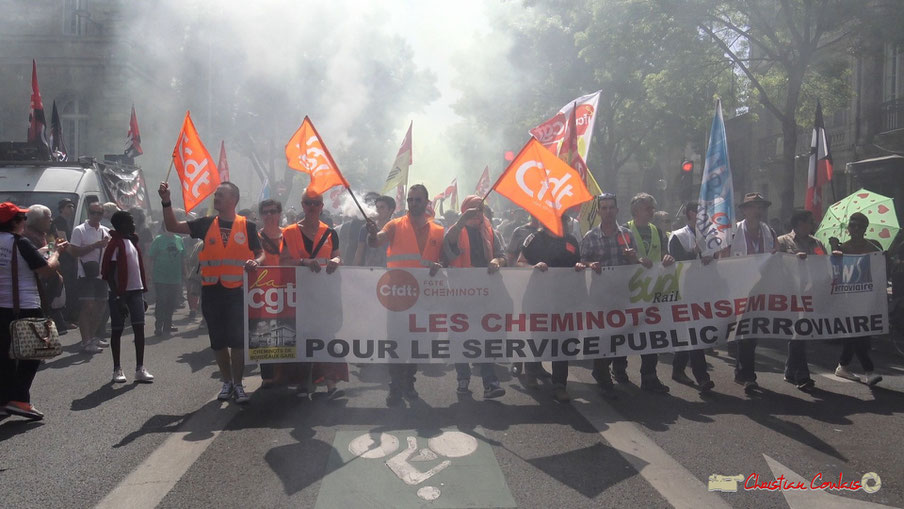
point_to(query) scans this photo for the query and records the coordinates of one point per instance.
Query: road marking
(813, 498)
(677, 485)
(832, 377)
(155, 477)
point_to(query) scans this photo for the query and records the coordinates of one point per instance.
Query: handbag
(30, 338)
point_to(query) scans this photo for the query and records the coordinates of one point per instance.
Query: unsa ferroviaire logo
(851, 274)
(643, 287)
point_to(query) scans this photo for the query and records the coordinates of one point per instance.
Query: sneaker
(23, 409)
(530, 381)
(842, 372)
(560, 394)
(750, 387)
(142, 376)
(334, 393)
(517, 368)
(171, 329)
(652, 384)
(91, 348)
(620, 376)
(103, 343)
(118, 377)
(238, 392)
(493, 391)
(682, 378)
(806, 384)
(394, 398)
(707, 386)
(225, 392)
(870, 379)
(463, 387)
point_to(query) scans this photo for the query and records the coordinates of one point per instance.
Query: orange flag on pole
(306, 153)
(198, 174)
(543, 185)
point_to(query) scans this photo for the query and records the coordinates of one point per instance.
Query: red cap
(9, 210)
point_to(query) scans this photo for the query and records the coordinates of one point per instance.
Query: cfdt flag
(715, 214)
(57, 146)
(820, 171)
(306, 153)
(133, 138)
(222, 164)
(551, 133)
(543, 185)
(398, 175)
(194, 166)
(36, 119)
(484, 185)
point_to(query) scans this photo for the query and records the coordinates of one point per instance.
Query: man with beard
(415, 241)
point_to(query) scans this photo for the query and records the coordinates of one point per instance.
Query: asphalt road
(171, 444)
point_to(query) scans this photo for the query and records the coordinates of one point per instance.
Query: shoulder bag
(30, 338)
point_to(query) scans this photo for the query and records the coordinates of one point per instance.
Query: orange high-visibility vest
(270, 259)
(294, 243)
(224, 264)
(464, 249)
(403, 250)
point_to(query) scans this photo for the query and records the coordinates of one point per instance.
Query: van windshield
(26, 199)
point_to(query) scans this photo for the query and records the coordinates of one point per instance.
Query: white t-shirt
(134, 282)
(85, 235)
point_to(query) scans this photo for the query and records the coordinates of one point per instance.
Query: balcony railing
(892, 115)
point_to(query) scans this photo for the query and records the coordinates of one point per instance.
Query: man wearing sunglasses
(88, 242)
(414, 242)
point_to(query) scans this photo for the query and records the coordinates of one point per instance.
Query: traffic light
(687, 167)
(686, 180)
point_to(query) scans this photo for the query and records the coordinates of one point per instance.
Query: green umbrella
(880, 210)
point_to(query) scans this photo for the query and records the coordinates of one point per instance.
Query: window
(893, 72)
(74, 17)
(74, 117)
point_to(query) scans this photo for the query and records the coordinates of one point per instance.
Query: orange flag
(198, 174)
(543, 185)
(306, 152)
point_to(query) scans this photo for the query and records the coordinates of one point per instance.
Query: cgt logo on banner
(397, 290)
(851, 274)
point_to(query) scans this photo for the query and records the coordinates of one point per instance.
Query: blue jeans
(487, 372)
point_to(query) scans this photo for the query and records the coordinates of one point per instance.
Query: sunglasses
(271, 212)
(96, 213)
(310, 203)
(415, 199)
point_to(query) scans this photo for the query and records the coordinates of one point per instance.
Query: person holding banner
(271, 241)
(752, 236)
(471, 242)
(857, 245)
(542, 250)
(607, 245)
(415, 241)
(311, 243)
(801, 243)
(683, 247)
(231, 244)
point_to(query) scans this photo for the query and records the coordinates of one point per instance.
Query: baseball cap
(9, 210)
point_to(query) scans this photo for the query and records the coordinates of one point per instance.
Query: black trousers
(16, 376)
(698, 364)
(745, 360)
(401, 377)
(859, 347)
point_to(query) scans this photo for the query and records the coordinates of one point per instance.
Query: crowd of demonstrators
(313, 244)
(123, 271)
(471, 242)
(683, 247)
(21, 268)
(231, 245)
(414, 241)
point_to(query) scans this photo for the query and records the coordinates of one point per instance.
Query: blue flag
(715, 213)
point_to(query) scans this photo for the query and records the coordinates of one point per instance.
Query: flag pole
(329, 156)
(170, 170)
(356, 201)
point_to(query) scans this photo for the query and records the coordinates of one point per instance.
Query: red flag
(542, 184)
(820, 170)
(222, 164)
(36, 120)
(194, 166)
(307, 153)
(133, 138)
(484, 185)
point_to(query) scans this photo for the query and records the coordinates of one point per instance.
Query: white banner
(369, 315)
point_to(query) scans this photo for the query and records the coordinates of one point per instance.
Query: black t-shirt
(30, 253)
(309, 243)
(554, 251)
(475, 242)
(198, 230)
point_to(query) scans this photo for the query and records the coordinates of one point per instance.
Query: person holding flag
(471, 242)
(231, 244)
(414, 241)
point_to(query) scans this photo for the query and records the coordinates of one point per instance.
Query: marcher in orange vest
(414, 241)
(311, 243)
(270, 212)
(231, 244)
(471, 242)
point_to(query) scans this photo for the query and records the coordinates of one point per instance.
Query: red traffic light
(687, 166)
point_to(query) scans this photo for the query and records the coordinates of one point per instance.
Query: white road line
(834, 378)
(677, 485)
(147, 485)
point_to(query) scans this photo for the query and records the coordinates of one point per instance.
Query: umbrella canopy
(880, 210)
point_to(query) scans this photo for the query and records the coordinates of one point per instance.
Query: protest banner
(370, 315)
